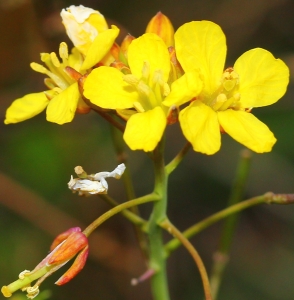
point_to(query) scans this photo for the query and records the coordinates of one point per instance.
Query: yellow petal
(26, 107)
(247, 130)
(61, 109)
(106, 88)
(145, 130)
(151, 48)
(184, 89)
(200, 126)
(75, 59)
(202, 45)
(100, 47)
(263, 78)
(162, 26)
(82, 25)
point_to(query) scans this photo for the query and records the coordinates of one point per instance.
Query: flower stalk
(269, 198)
(186, 243)
(157, 260)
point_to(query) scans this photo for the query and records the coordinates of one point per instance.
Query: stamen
(23, 274)
(138, 107)
(55, 59)
(49, 83)
(166, 89)
(146, 71)
(158, 85)
(33, 291)
(41, 69)
(131, 79)
(220, 100)
(63, 52)
(147, 95)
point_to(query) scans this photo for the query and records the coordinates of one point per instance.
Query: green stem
(186, 243)
(157, 260)
(176, 161)
(117, 209)
(134, 218)
(269, 198)
(220, 258)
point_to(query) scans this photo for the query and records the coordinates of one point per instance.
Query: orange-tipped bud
(162, 26)
(125, 46)
(177, 70)
(121, 67)
(114, 51)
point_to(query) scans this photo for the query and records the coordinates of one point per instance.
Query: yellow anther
(220, 100)
(32, 292)
(39, 68)
(143, 88)
(237, 97)
(49, 83)
(227, 104)
(166, 89)
(131, 79)
(146, 71)
(23, 274)
(63, 51)
(158, 77)
(54, 59)
(57, 90)
(138, 107)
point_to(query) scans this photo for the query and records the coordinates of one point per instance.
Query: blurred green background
(37, 159)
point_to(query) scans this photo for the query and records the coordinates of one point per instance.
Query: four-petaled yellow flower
(143, 90)
(257, 79)
(89, 32)
(63, 96)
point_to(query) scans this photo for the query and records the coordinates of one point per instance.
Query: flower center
(227, 95)
(58, 79)
(151, 87)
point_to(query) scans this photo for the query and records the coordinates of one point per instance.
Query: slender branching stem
(166, 224)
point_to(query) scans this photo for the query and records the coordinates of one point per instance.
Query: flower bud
(125, 45)
(162, 26)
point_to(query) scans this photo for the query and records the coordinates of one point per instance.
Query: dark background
(38, 157)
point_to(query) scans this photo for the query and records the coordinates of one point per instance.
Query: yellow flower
(89, 32)
(257, 79)
(63, 96)
(142, 91)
